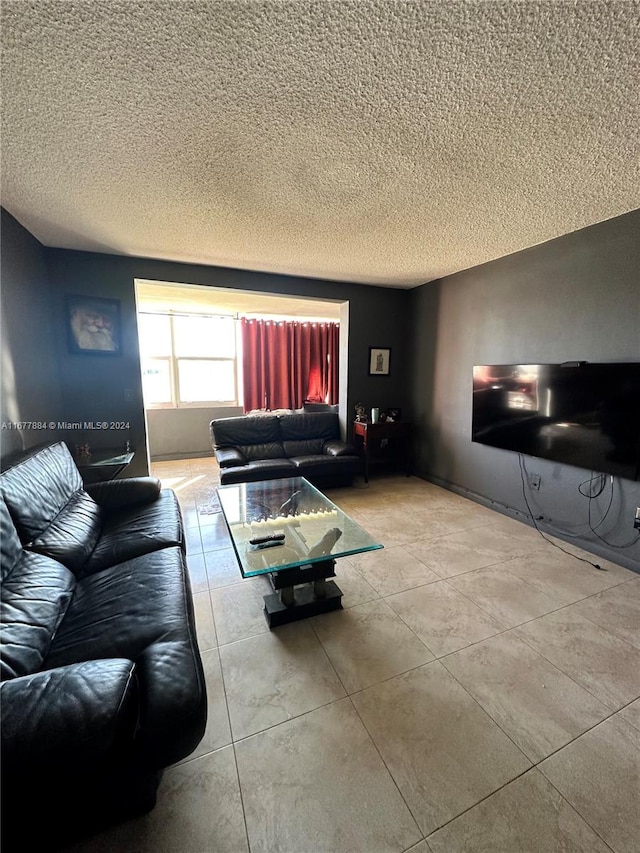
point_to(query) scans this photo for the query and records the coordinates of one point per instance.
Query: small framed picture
(379, 361)
(93, 325)
(394, 414)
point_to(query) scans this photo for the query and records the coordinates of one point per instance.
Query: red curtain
(288, 363)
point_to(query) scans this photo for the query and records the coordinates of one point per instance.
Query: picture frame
(379, 361)
(394, 414)
(93, 325)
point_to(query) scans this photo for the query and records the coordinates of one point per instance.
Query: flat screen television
(578, 413)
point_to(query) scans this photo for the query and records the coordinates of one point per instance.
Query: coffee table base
(305, 603)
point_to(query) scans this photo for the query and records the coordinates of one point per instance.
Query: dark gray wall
(109, 388)
(30, 376)
(574, 298)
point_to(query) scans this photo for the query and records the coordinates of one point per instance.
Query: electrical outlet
(534, 481)
(636, 521)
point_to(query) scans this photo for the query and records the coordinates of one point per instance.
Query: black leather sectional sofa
(102, 682)
(269, 447)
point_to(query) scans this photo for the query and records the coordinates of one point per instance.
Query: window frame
(174, 359)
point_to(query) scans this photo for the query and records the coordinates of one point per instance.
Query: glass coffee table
(288, 530)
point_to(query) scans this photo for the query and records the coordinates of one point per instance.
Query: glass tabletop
(314, 528)
(104, 457)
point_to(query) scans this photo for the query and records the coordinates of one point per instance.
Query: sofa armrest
(118, 494)
(336, 447)
(73, 715)
(229, 457)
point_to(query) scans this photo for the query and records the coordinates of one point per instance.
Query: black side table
(103, 464)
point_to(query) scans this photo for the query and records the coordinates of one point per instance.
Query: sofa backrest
(37, 486)
(258, 437)
(52, 513)
(305, 435)
(35, 594)
(317, 425)
(320, 407)
(10, 545)
(276, 436)
(34, 599)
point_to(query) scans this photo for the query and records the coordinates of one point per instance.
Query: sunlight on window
(156, 380)
(188, 360)
(155, 334)
(204, 336)
(202, 381)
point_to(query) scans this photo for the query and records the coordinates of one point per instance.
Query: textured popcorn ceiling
(378, 141)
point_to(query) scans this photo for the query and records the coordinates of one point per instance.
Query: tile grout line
(533, 768)
(568, 674)
(384, 763)
(575, 808)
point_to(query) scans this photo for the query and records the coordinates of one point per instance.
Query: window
(188, 360)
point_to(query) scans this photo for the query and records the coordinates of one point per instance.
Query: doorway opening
(191, 356)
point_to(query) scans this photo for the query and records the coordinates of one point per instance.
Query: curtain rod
(268, 318)
(171, 313)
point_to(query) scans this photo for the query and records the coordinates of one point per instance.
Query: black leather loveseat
(102, 682)
(268, 447)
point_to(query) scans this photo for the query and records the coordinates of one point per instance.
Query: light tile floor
(478, 693)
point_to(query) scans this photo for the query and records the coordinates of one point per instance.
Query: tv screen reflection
(586, 415)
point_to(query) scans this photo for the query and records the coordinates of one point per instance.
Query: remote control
(272, 543)
(272, 537)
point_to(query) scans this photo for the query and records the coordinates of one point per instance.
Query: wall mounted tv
(578, 413)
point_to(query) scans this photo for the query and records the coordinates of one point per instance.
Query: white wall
(175, 433)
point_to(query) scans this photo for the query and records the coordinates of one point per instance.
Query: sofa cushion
(38, 486)
(271, 450)
(311, 466)
(237, 432)
(73, 533)
(142, 610)
(131, 603)
(264, 469)
(321, 425)
(137, 530)
(34, 599)
(10, 545)
(92, 710)
(304, 447)
(255, 437)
